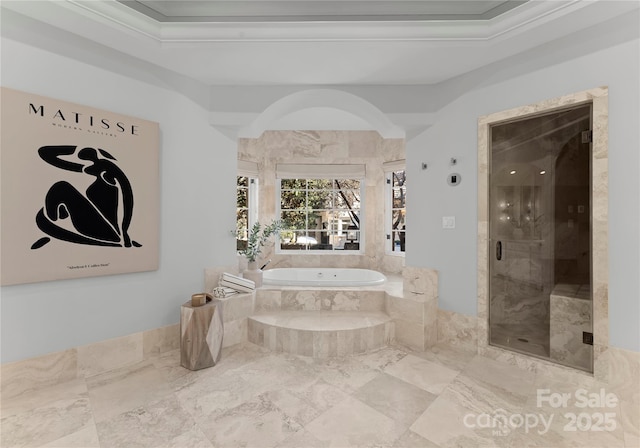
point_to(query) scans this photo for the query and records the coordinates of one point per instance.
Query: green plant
(258, 236)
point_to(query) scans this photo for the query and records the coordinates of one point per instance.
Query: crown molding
(117, 15)
(297, 53)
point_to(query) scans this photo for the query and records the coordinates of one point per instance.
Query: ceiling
(319, 43)
(324, 10)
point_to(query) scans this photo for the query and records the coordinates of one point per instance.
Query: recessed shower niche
(540, 235)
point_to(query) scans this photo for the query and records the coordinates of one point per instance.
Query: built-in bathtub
(323, 277)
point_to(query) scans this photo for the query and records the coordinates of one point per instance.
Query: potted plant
(258, 236)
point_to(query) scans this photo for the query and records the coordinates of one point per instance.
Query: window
(246, 201)
(396, 194)
(320, 213)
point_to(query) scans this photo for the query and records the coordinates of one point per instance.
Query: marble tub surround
(236, 309)
(598, 217)
(418, 281)
(328, 147)
(415, 308)
(393, 397)
(321, 322)
(295, 298)
(322, 334)
(412, 313)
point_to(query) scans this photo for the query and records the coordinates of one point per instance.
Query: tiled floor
(253, 398)
(530, 338)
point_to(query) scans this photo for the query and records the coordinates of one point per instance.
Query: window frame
(324, 176)
(389, 169)
(247, 169)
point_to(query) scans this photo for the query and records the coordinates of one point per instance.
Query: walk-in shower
(540, 254)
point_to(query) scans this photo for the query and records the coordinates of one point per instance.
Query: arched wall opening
(322, 109)
(324, 126)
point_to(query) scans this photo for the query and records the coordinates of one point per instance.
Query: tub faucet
(265, 265)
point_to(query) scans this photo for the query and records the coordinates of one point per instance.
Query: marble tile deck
(393, 397)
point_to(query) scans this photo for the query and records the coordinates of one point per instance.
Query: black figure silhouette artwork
(99, 217)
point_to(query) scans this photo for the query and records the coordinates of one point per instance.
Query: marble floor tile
(306, 403)
(481, 397)
(382, 358)
(506, 377)
(348, 374)
(392, 398)
(545, 386)
(630, 422)
(232, 358)
(45, 415)
(487, 387)
(43, 396)
(448, 424)
(572, 423)
(303, 438)
(213, 395)
(541, 437)
(161, 423)
(352, 423)
(275, 372)
(169, 365)
(427, 375)
(412, 440)
(395, 398)
(455, 358)
(87, 437)
(126, 389)
(254, 423)
(571, 427)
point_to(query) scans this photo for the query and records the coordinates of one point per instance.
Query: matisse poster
(79, 190)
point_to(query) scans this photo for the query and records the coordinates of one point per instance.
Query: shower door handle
(499, 250)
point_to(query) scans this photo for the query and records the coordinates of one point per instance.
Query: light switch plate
(448, 222)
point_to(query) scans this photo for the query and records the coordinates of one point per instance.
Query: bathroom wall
(605, 55)
(327, 147)
(197, 183)
(198, 169)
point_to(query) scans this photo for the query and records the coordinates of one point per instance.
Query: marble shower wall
(328, 147)
(570, 316)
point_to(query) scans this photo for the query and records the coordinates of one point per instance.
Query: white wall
(197, 192)
(555, 70)
(198, 171)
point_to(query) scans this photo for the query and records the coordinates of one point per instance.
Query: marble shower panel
(570, 317)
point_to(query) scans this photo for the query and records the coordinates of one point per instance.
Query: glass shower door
(540, 236)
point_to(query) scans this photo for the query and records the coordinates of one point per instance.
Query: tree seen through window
(320, 214)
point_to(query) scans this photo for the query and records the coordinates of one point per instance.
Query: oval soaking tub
(323, 277)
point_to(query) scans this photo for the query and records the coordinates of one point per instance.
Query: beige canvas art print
(79, 190)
